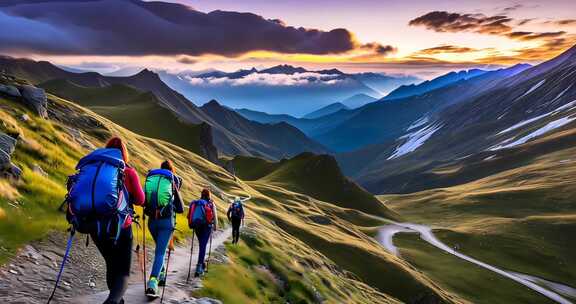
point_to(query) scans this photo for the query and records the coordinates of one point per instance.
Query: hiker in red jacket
(118, 253)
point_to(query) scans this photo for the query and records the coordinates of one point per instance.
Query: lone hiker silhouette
(100, 202)
(163, 201)
(202, 218)
(235, 215)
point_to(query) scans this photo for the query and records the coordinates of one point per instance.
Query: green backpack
(159, 193)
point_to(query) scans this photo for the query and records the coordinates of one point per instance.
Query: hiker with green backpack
(162, 203)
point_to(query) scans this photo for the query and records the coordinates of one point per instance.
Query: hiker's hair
(116, 142)
(167, 164)
(205, 194)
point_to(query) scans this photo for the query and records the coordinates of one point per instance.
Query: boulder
(9, 90)
(36, 99)
(7, 143)
(7, 146)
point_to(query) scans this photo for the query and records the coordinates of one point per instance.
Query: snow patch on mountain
(569, 105)
(415, 140)
(523, 123)
(533, 88)
(562, 93)
(418, 123)
(545, 129)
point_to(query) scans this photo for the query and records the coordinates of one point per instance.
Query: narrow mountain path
(177, 290)
(386, 235)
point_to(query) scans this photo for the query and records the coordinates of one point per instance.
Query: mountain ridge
(146, 80)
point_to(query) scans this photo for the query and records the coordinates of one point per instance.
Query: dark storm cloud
(527, 36)
(441, 21)
(562, 22)
(379, 49)
(512, 8)
(112, 27)
(443, 49)
(499, 25)
(186, 60)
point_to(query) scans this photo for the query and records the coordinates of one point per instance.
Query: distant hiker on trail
(162, 203)
(202, 218)
(236, 216)
(100, 202)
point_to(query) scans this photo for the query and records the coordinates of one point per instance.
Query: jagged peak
(212, 103)
(146, 73)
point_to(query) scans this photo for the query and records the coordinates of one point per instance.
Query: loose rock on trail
(29, 277)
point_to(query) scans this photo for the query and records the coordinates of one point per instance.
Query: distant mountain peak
(326, 110)
(212, 103)
(284, 69)
(146, 73)
(331, 71)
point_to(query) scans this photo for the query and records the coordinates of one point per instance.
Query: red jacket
(134, 188)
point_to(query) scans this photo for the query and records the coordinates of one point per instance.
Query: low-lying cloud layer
(266, 79)
(110, 27)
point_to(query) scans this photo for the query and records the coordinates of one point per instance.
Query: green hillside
(300, 248)
(318, 176)
(521, 219)
(135, 110)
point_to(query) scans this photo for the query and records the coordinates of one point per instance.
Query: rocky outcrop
(207, 147)
(9, 90)
(7, 146)
(36, 99)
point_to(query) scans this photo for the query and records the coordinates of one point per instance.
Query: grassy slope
(473, 283)
(135, 110)
(252, 168)
(315, 175)
(522, 219)
(290, 256)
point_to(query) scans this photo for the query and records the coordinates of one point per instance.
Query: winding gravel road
(386, 235)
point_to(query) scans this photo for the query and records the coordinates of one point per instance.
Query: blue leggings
(161, 230)
(203, 235)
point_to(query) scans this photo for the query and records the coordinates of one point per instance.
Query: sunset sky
(412, 37)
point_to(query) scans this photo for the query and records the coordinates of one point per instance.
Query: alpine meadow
(231, 152)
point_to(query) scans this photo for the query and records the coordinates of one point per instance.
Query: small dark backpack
(236, 210)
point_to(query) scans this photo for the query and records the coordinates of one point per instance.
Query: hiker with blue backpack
(202, 218)
(100, 202)
(163, 201)
(235, 215)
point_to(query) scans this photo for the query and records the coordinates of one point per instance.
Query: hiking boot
(199, 271)
(162, 277)
(152, 288)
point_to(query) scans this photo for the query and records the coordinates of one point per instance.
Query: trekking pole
(138, 253)
(191, 253)
(170, 248)
(144, 246)
(209, 251)
(68, 246)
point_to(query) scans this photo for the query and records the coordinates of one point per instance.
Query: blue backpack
(201, 214)
(97, 199)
